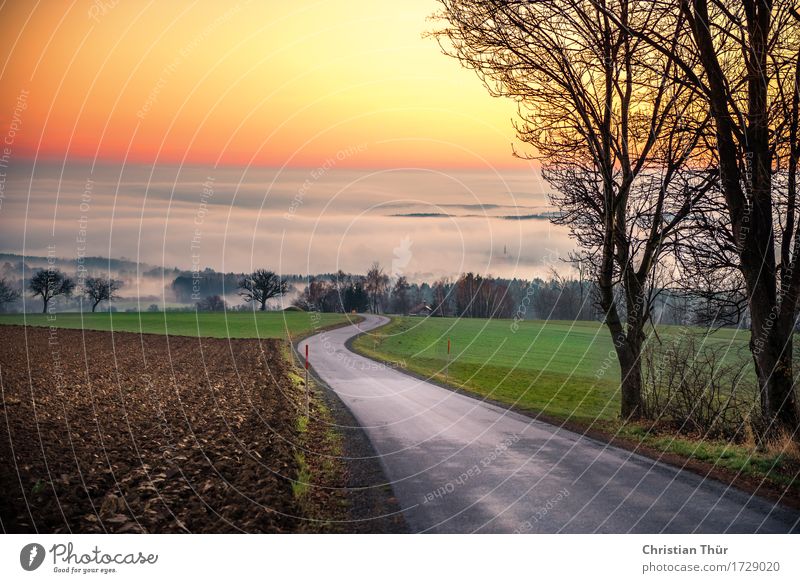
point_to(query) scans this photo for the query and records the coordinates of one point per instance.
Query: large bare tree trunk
(627, 343)
(629, 356)
(749, 198)
(772, 356)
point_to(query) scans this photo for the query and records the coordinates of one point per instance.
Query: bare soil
(122, 432)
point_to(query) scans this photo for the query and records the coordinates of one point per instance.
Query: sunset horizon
(195, 94)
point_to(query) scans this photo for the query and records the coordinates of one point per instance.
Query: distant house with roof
(422, 309)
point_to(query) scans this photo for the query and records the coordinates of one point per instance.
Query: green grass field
(215, 325)
(564, 369)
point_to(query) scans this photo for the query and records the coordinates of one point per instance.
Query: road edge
(373, 509)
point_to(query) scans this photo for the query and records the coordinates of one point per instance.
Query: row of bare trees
(257, 287)
(373, 292)
(344, 292)
(470, 295)
(669, 132)
(52, 283)
(482, 297)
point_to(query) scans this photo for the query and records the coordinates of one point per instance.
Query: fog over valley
(423, 224)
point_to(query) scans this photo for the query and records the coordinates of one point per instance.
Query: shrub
(696, 387)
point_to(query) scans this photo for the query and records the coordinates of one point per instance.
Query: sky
(325, 129)
(244, 83)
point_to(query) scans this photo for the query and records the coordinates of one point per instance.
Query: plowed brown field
(146, 433)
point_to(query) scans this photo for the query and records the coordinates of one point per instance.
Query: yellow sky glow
(262, 83)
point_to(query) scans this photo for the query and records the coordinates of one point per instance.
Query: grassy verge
(566, 373)
(319, 487)
(773, 470)
(206, 324)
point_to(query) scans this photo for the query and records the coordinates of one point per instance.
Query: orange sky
(263, 83)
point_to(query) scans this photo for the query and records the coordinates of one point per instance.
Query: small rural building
(422, 309)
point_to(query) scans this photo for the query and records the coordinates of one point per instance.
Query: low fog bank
(423, 223)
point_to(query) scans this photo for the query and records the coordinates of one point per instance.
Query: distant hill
(94, 262)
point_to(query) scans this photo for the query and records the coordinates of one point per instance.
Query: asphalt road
(457, 464)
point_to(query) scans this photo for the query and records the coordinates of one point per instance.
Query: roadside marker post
(447, 366)
(308, 397)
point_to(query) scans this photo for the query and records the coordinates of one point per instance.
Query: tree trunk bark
(629, 356)
(44, 306)
(628, 347)
(263, 306)
(773, 363)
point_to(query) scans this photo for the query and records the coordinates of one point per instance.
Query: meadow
(565, 369)
(205, 324)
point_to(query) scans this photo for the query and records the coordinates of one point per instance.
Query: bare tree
(400, 296)
(319, 295)
(747, 74)
(7, 294)
(212, 303)
(585, 304)
(376, 284)
(440, 290)
(262, 285)
(477, 296)
(565, 286)
(98, 290)
(613, 137)
(50, 283)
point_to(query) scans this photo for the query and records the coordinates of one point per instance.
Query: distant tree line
(471, 295)
(187, 286)
(557, 296)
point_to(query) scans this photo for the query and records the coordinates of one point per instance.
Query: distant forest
(556, 297)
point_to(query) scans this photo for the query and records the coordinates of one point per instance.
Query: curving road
(457, 464)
